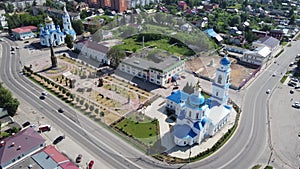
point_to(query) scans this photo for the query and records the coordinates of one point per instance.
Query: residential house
(277, 33)
(135, 3)
(82, 6)
(237, 40)
(258, 56)
(210, 7)
(268, 41)
(214, 35)
(3, 22)
(25, 32)
(5, 119)
(182, 5)
(93, 50)
(153, 65)
(119, 5)
(18, 146)
(258, 33)
(50, 158)
(57, 13)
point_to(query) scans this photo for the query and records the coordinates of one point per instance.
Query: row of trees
(7, 101)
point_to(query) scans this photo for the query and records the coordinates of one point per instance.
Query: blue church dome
(203, 121)
(197, 100)
(225, 61)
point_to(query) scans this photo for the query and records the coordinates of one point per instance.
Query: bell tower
(221, 83)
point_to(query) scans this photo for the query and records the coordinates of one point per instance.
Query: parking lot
(285, 127)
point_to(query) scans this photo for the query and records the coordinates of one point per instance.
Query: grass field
(142, 129)
(131, 44)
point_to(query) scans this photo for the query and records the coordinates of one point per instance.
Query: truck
(45, 127)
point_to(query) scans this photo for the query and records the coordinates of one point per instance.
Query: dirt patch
(206, 65)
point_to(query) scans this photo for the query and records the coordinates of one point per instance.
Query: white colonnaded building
(197, 117)
(53, 34)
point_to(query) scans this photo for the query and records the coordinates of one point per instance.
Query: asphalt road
(242, 151)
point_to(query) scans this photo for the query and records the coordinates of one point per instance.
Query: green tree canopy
(78, 27)
(116, 55)
(7, 101)
(69, 41)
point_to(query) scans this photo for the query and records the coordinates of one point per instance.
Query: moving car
(292, 91)
(268, 91)
(60, 110)
(91, 163)
(44, 93)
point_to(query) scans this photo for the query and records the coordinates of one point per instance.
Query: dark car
(61, 110)
(176, 87)
(91, 163)
(78, 158)
(27, 123)
(58, 139)
(292, 84)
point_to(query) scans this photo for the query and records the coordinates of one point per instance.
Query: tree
(97, 36)
(10, 8)
(235, 21)
(69, 41)
(116, 55)
(78, 27)
(7, 101)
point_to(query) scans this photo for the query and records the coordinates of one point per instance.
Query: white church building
(53, 34)
(197, 117)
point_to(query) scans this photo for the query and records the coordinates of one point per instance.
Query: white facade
(198, 119)
(160, 74)
(258, 56)
(93, 51)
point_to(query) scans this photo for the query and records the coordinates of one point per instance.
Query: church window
(217, 93)
(190, 114)
(219, 79)
(197, 115)
(55, 37)
(227, 80)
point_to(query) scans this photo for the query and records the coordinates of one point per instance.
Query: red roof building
(50, 158)
(16, 147)
(182, 5)
(24, 32)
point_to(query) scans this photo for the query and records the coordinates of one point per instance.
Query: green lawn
(143, 130)
(131, 44)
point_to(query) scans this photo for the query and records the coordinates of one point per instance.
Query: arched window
(227, 80)
(219, 79)
(217, 93)
(197, 114)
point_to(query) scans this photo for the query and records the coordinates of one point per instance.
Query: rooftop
(21, 143)
(25, 29)
(153, 59)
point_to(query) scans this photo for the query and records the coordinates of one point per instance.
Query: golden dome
(48, 19)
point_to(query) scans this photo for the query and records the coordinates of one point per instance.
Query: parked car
(268, 91)
(58, 139)
(297, 87)
(78, 158)
(176, 87)
(45, 127)
(27, 123)
(295, 105)
(292, 84)
(296, 80)
(292, 91)
(91, 163)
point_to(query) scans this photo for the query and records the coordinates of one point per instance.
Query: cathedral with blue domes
(53, 34)
(199, 118)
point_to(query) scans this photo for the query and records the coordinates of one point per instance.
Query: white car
(268, 91)
(44, 93)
